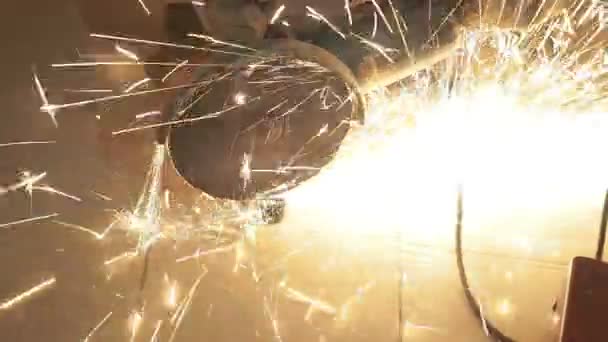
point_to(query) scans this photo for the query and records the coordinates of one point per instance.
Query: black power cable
(490, 328)
(601, 241)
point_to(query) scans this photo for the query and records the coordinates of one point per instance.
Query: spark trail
(27, 294)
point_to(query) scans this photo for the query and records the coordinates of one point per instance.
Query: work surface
(338, 286)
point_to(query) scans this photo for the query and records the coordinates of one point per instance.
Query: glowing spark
(177, 67)
(172, 296)
(97, 327)
(375, 27)
(54, 107)
(246, 169)
(181, 311)
(21, 143)
(218, 250)
(349, 14)
(89, 231)
(45, 102)
(159, 43)
(381, 49)
(240, 98)
(285, 23)
(318, 304)
(9, 304)
(145, 219)
(102, 196)
(299, 104)
(88, 90)
(504, 307)
(145, 8)
(96, 64)
(121, 257)
(198, 3)
(318, 16)
(51, 190)
(28, 220)
(174, 122)
(381, 13)
(219, 42)
(137, 85)
(154, 337)
(27, 182)
(148, 114)
(135, 321)
(277, 14)
(484, 322)
(127, 53)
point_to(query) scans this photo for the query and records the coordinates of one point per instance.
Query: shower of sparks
(171, 300)
(145, 219)
(240, 98)
(375, 27)
(144, 7)
(165, 44)
(20, 143)
(277, 14)
(172, 71)
(9, 304)
(97, 327)
(28, 220)
(55, 107)
(463, 118)
(504, 307)
(320, 17)
(97, 64)
(127, 53)
(188, 120)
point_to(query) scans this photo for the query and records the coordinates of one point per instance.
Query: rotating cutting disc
(265, 125)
